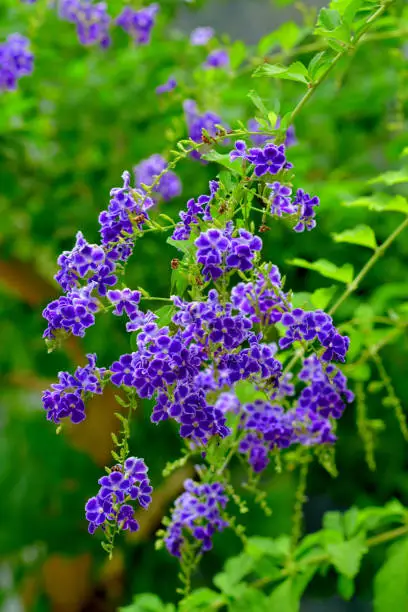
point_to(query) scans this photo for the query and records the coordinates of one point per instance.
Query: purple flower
(125, 300)
(138, 24)
(218, 58)
(242, 251)
(16, 61)
(66, 398)
(92, 20)
(195, 211)
(123, 371)
(97, 511)
(71, 313)
(166, 87)
(200, 36)
(196, 123)
(124, 483)
(336, 346)
(271, 159)
(197, 512)
(305, 205)
(280, 199)
(126, 206)
(239, 151)
(211, 248)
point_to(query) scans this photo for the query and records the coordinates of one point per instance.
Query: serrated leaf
(286, 36)
(258, 547)
(224, 160)
(392, 177)
(346, 556)
(326, 268)
(322, 297)
(202, 600)
(165, 314)
(250, 600)
(147, 602)
(319, 63)
(258, 102)
(295, 72)
(235, 569)
(361, 234)
(346, 8)
(330, 25)
(391, 582)
(380, 203)
(330, 19)
(182, 245)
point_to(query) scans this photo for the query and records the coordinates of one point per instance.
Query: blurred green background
(66, 135)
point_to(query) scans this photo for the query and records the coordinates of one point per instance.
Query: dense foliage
(228, 316)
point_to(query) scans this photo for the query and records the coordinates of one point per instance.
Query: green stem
(353, 45)
(370, 263)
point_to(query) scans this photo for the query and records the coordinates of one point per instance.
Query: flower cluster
(92, 20)
(66, 398)
(219, 252)
(138, 24)
(216, 344)
(267, 426)
(308, 326)
(96, 265)
(198, 514)
(147, 171)
(16, 61)
(122, 485)
(196, 123)
(195, 211)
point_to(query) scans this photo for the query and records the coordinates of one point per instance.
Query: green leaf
(346, 8)
(295, 72)
(319, 63)
(237, 53)
(333, 521)
(361, 234)
(250, 600)
(330, 19)
(380, 203)
(345, 587)
(258, 102)
(147, 602)
(235, 569)
(391, 582)
(392, 177)
(224, 160)
(246, 392)
(322, 297)
(331, 25)
(326, 268)
(165, 314)
(182, 245)
(202, 599)
(346, 556)
(258, 547)
(283, 598)
(286, 36)
(179, 281)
